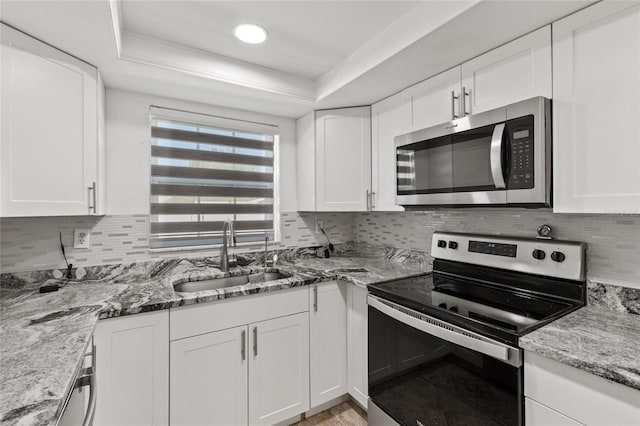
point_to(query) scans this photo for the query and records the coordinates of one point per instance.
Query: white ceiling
(306, 38)
(321, 54)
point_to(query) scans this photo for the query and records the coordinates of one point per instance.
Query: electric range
(443, 348)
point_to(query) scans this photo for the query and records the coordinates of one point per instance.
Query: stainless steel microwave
(498, 157)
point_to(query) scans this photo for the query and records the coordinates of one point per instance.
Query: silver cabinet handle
(92, 189)
(373, 200)
(368, 200)
(453, 105)
(463, 101)
(93, 391)
(496, 156)
(255, 341)
(315, 298)
(243, 345)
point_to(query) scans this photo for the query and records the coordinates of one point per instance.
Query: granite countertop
(600, 341)
(44, 336)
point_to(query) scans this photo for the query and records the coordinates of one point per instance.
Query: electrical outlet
(81, 238)
(319, 224)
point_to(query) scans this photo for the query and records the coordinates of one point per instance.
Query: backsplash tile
(613, 254)
(28, 244)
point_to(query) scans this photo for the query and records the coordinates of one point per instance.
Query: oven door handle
(449, 334)
(497, 170)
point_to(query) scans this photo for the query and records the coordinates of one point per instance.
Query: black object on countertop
(48, 288)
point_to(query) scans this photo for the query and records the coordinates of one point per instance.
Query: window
(206, 170)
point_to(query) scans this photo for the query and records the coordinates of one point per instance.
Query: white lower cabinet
(328, 341)
(279, 369)
(357, 367)
(132, 367)
(209, 379)
(559, 394)
(241, 361)
(537, 414)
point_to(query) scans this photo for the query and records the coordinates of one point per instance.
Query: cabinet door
(357, 344)
(49, 129)
(209, 379)
(536, 414)
(278, 369)
(435, 100)
(389, 118)
(343, 159)
(596, 91)
(132, 366)
(514, 72)
(305, 162)
(328, 341)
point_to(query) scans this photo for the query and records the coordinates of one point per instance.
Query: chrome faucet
(224, 258)
(268, 263)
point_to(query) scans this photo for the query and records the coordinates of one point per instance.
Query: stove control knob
(539, 254)
(558, 256)
(442, 244)
(453, 245)
(453, 309)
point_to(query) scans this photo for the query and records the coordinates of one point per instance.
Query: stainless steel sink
(224, 282)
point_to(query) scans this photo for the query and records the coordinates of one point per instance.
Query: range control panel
(561, 259)
(497, 249)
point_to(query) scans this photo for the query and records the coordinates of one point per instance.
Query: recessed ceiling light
(250, 33)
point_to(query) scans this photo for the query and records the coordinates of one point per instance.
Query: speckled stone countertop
(44, 336)
(600, 341)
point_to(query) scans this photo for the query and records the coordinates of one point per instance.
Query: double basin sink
(232, 281)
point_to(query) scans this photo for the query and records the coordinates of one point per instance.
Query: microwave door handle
(496, 156)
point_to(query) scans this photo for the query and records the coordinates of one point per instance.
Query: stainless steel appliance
(443, 348)
(497, 157)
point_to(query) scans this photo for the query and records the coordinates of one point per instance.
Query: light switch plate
(81, 238)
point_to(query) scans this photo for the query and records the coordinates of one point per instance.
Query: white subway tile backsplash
(613, 255)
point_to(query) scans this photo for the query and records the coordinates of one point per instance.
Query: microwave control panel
(520, 134)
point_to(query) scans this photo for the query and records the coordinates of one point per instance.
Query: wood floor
(346, 414)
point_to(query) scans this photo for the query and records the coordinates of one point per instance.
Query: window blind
(202, 175)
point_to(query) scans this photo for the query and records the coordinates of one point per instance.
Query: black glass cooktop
(504, 308)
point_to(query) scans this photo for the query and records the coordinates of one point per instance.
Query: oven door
(425, 372)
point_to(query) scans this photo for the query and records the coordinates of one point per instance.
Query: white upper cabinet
(328, 341)
(336, 174)
(596, 110)
(49, 148)
(389, 118)
(435, 100)
(343, 159)
(514, 72)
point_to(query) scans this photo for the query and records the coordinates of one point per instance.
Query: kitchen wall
(613, 254)
(122, 235)
(29, 244)
(128, 147)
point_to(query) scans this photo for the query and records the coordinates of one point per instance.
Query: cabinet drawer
(207, 317)
(587, 398)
